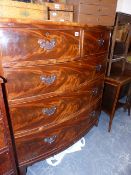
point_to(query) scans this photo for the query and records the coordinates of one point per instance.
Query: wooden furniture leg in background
(114, 107)
(111, 94)
(127, 105)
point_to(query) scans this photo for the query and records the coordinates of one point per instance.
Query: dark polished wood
(95, 42)
(51, 111)
(7, 160)
(53, 79)
(47, 141)
(53, 76)
(42, 45)
(112, 92)
(6, 164)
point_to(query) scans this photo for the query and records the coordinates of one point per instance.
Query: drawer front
(28, 46)
(53, 79)
(96, 9)
(5, 164)
(51, 111)
(2, 136)
(61, 16)
(44, 144)
(100, 2)
(95, 42)
(103, 20)
(106, 20)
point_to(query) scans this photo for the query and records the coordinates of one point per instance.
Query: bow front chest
(53, 82)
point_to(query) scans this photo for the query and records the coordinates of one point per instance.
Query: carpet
(104, 154)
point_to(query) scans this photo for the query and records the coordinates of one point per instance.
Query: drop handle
(50, 140)
(48, 80)
(101, 42)
(95, 91)
(49, 111)
(93, 114)
(47, 45)
(98, 67)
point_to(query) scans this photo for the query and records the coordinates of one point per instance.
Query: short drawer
(65, 16)
(38, 46)
(53, 79)
(5, 164)
(95, 42)
(54, 110)
(2, 136)
(46, 143)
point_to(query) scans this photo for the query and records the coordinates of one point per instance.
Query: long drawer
(36, 46)
(45, 143)
(96, 9)
(53, 79)
(51, 111)
(104, 20)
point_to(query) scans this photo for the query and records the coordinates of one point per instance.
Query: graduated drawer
(52, 79)
(51, 111)
(35, 46)
(5, 164)
(95, 42)
(46, 143)
(2, 135)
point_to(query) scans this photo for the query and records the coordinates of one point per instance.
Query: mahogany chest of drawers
(54, 74)
(7, 158)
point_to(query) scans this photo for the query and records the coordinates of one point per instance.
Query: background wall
(124, 6)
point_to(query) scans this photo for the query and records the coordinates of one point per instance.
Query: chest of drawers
(94, 12)
(7, 158)
(54, 75)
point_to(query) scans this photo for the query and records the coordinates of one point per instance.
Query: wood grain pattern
(38, 45)
(53, 76)
(52, 79)
(2, 136)
(95, 42)
(6, 164)
(7, 160)
(59, 136)
(47, 112)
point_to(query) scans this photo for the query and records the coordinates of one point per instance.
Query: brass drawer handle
(95, 91)
(48, 79)
(93, 114)
(50, 140)
(47, 45)
(98, 67)
(49, 111)
(101, 42)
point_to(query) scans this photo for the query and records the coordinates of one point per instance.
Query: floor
(104, 154)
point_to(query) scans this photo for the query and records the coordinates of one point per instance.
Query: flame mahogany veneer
(53, 82)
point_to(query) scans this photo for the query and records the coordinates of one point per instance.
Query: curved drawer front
(49, 142)
(50, 111)
(52, 79)
(2, 136)
(30, 46)
(5, 164)
(95, 42)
